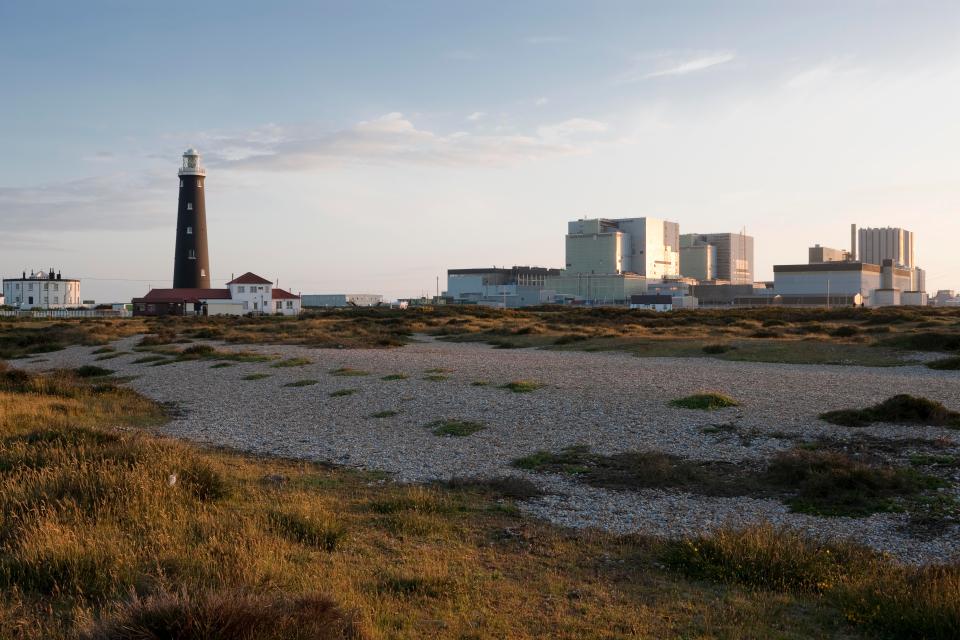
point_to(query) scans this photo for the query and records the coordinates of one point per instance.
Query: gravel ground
(611, 402)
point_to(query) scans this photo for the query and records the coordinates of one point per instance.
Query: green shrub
(290, 362)
(900, 409)
(705, 402)
(339, 393)
(255, 376)
(348, 372)
(459, 428)
(522, 386)
(395, 376)
(945, 364)
(92, 371)
(301, 383)
(714, 349)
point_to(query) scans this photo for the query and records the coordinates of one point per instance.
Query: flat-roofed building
(644, 246)
(734, 255)
(826, 254)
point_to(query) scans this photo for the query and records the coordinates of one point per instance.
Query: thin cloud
(678, 67)
(114, 202)
(476, 116)
(395, 139)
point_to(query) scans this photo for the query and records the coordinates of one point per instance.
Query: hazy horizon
(370, 147)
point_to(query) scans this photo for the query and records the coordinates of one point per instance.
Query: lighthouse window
(203, 273)
(189, 231)
(192, 254)
(189, 206)
(181, 184)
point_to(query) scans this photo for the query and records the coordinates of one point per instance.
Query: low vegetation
(435, 377)
(339, 393)
(113, 534)
(291, 362)
(302, 383)
(885, 599)
(255, 376)
(459, 428)
(945, 364)
(92, 371)
(389, 413)
(900, 409)
(395, 376)
(348, 372)
(823, 483)
(705, 402)
(522, 386)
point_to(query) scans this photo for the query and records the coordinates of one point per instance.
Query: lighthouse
(191, 263)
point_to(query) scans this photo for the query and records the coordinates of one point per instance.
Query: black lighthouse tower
(191, 264)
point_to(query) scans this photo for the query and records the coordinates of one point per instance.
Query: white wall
(46, 293)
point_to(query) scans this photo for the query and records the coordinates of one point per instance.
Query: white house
(247, 294)
(41, 290)
(653, 302)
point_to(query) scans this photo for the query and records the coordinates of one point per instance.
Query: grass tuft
(301, 383)
(435, 377)
(945, 364)
(389, 413)
(458, 428)
(226, 615)
(705, 402)
(255, 376)
(290, 362)
(92, 371)
(339, 393)
(395, 376)
(900, 409)
(348, 372)
(522, 386)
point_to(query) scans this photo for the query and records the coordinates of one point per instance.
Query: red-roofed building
(248, 294)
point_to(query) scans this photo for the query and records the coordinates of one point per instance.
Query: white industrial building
(717, 256)
(41, 290)
(644, 246)
(890, 243)
(518, 286)
(877, 285)
(321, 300)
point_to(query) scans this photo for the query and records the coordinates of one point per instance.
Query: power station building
(717, 256)
(647, 247)
(510, 288)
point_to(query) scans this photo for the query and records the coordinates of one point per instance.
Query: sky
(367, 147)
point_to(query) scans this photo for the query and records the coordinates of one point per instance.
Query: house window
(56, 287)
(289, 304)
(254, 306)
(240, 289)
(56, 299)
(189, 206)
(279, 305)
(46, 286)
(189, 231)
(192, 254)
(29, 299)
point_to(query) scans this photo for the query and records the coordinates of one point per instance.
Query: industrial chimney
(853, 242)
(191, 263)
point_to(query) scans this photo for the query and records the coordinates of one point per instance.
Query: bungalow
(248, 294)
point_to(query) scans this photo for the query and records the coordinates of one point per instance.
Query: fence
(66, 313)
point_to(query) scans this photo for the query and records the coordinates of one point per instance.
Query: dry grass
(887, 599)
(108, 533)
